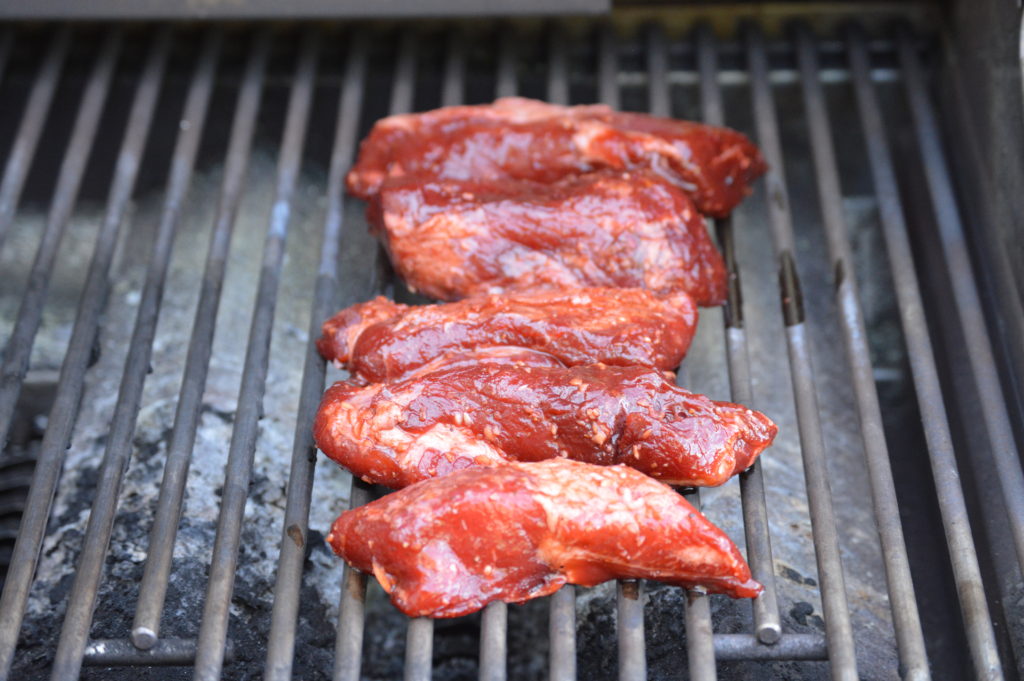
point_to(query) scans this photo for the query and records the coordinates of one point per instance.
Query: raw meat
(448, 546)
(501, 404)
(452, 239)
(524, 139)
(380, 340)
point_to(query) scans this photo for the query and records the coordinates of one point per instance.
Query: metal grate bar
(454, 68)
(767, 626)
(44, 85)
(562, 634)
(629, 601)
(906, 620)
(700, 645)
(403, 88)
(494, 642)
(348, 646)
(962, 553)
(506, 83)
(153, 588)
(558, 65)
(120, 652)
(349, 642)
(562, 604)
(6, 42)
(281, 645)
(659, 100)
(75, 630)
(69, 390)
(69, 180)
(213, 629)
(950, 231)
(351, 624)
(608, 67)
(420, 630)
(494, 620)
(419, 649)
(630, 627)
(838, 628)
(789, 647)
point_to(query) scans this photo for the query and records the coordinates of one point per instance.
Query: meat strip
(381, 341)
(452, 239)
(449, 546)
(524, 139)
(513, 404)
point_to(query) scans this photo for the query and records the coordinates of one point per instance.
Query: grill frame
(703, 646)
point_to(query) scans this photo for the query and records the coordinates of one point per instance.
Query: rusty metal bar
(213, 629)
(630, 629)
(75, 631)
(72, 373)
(962, 553)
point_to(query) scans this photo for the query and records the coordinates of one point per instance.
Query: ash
(456, 643)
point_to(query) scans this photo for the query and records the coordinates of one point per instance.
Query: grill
(166, 186)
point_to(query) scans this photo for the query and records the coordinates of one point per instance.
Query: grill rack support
(768, 641)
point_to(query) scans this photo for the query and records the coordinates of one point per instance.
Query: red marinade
(452, 239)
(380, 340)
(448, 546)
(508, 404)
(523, 139)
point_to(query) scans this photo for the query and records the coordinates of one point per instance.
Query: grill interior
(174, 230)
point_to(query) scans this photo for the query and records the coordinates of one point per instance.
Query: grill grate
(682, 76)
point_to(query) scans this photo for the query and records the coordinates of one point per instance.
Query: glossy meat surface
(501, 404)
(450, 239)
(380, 340)
(448, 546)
(524, 139)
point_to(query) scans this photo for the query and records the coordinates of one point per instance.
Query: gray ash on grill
(261, 532)
(456, 643)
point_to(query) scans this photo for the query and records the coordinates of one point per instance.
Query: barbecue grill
(173, 230)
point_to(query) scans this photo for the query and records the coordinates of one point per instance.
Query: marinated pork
(452, 239)
(514, 404)
(523, 139)
(380, 340)
(447, 547)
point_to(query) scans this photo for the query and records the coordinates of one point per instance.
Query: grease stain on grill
(295, 532)
(792, 575)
